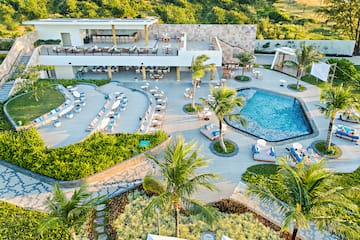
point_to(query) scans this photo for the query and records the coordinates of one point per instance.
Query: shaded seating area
(347, 133)
(300, 154)
(262, 152)
(211, 131)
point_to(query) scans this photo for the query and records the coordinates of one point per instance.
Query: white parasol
(297, 145)
(116, 104)
(261, 143)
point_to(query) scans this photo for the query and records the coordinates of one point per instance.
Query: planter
(189, 110)
(229, 154)
(313, 145)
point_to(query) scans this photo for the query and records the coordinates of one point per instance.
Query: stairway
(23, 62)
(5, 89)
(100, 222)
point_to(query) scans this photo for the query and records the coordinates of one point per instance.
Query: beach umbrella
(261, 143)
(297, 145)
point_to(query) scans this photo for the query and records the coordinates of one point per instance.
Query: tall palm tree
(179, 180)
(68, 213)
(245, 59)
(198, 69)
(305, 56)
(224, 101)
(310, 193)
(336, 98)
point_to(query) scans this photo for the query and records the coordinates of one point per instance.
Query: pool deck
(30, 192)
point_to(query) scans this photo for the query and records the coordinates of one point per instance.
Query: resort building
(142, 45)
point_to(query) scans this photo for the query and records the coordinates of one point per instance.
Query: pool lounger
(263, 154)
(211, 132)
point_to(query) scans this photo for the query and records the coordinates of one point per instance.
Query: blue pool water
(273, 117)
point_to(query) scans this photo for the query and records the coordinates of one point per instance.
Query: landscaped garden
(19, 223)
(267, 176)
(127, 220)
(98, 152)
(25, 108)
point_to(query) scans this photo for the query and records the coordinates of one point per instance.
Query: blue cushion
(216, 133)
(256, 149)
(294, 153)
(272, 152)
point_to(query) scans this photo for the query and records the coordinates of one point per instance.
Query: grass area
(314, 81)
(230, 147)
(2, 57)
(188, 108)
(300, 8)
(19, 223)
(98, 152)
(242, 78)
(129, 223)
(321, 147)
(25, 108)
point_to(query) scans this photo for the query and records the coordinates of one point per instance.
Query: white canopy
(158, 237)
(225, 238)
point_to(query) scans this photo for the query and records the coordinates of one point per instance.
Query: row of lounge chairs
(347, 133)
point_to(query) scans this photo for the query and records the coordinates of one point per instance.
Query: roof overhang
(93, 22)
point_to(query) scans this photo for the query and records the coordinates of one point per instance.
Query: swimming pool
(271, 116)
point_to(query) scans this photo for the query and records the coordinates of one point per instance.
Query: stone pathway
(31, 193)
(271, 212)
(100, 222)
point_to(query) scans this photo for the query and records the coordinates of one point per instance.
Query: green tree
(245, 59)
(310, 192)
(336, 98)
(305, 56)
(346, 14)
(179, 181)
(224, 101)
(198, 69)
(345, 72)
(71, 213)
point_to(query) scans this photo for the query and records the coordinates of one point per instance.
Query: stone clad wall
(233, 38)
(22, 46)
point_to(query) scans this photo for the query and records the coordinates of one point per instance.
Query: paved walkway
(31, 193)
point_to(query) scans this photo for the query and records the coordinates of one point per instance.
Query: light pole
(158, 219)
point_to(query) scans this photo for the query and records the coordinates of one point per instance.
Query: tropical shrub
(132, 225)
(345, 72)
(72, 82)
(47, 42)
(266, 175)
(98, 152)
(19, 223)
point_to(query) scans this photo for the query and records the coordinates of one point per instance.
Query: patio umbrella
(143, 71)
(297, 145)
(261, 143)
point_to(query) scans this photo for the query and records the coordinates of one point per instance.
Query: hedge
(72, 82)
(19, 223)
(98, 152)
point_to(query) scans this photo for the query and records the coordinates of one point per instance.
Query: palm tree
(305, 56)
(198, 69)
(336, 99)
(309, 194)
(68, 213)
(224, 101)
(245, 59)
(179, 180)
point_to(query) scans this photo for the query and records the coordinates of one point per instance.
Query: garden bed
(126, 221)
(97, 153)
(231, 147)
(187, 108)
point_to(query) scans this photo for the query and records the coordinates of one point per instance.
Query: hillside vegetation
(281, 19)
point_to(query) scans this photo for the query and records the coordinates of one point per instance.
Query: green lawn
(26, 109)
